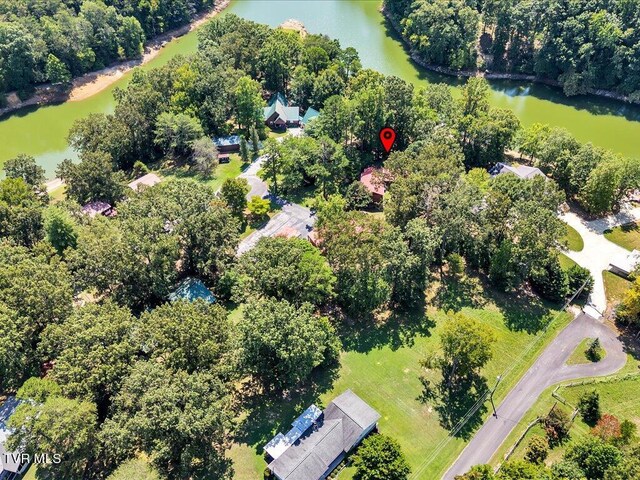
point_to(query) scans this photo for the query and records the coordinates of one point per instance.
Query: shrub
(576, 276)
(593, 456)
(550, 281)
(379, 457)
(537, 450)
(357, 195)
(258, 207)
(456, 264)
(627, 432)
(589, 406)
(139, 169)
(556, 425)
(594, 351)
(607, 428)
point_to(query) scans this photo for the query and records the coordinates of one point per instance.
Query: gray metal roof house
(319, 440)
(522, 171)
(10, 462)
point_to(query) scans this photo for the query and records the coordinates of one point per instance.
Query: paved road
(597, 253)
(292, 216)
(548, 370)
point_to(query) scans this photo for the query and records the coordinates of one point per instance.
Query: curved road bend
(549, 369)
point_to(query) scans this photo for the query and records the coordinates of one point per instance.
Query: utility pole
(499, 377)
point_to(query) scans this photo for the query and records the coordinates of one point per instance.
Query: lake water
(42, 131)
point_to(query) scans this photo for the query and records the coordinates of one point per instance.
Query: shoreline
(518, 77)
(92, 83)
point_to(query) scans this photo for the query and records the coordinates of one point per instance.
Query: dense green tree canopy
(280, 344)
(21, 209)
(93, 351)
(287, 269)
(59, 425)
(180, 420)
(373, 263)
(582, 45)
(380, 457)
(92, 179)
(190, 336)
(55, 40)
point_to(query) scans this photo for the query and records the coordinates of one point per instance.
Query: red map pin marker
(387, 137)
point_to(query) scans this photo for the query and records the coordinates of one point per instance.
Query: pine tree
(244, 150)
(255, 142)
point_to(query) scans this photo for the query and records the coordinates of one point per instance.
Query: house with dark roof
(192, 289)
(522, 171)
(279, 114)
(319, 440)
(227, 144)
(10, 462)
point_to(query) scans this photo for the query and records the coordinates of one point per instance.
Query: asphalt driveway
(292, 216)
(549, 369)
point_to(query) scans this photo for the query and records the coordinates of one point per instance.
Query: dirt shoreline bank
(91, 83)
(520, 77)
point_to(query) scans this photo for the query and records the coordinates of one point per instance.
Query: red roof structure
(374, 179)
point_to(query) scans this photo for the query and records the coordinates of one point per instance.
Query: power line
(467, 416)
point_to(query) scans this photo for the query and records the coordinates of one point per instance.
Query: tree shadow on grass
(457, 292)
(400, 329)
(629, 335)
(453, 407)
(522, 310)
(265, 414)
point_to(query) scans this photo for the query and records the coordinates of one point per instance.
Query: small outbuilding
(192, 289)
(624, 265)
(227, 144)
(93, 209)
(146, 181)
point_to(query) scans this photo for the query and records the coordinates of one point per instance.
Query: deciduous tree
(287, 269)
(380, 457)
(280, 344)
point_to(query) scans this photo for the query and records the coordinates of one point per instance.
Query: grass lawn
(627, 236)
(618, 398)
(58, 194)
(382, 365)
(30, 474)
(614, 286)
(565, 262)
(573, 239)
(223, 172)
(579, 355)
(277, 133)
